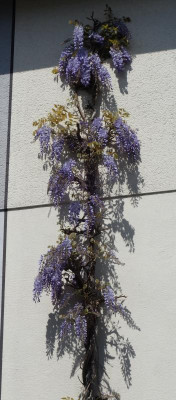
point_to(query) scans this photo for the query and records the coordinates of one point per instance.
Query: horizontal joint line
(121, 196)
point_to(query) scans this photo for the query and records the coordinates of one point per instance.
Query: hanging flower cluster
(80, 62)
(77, 146)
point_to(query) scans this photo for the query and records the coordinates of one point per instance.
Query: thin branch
(77, 103)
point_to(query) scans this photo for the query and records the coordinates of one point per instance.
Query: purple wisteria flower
(120, 58)
(96, 37)
(101, 134)
(126, 139)
(81, 327)
(78, 69)
(72, 72)
(82, 67)
(60, 180)
(85, 69)
(65, 328)
(97, 124)
(56, 149)
(50, 271)
(78, 37)
(126, 56)
(109, 298)
(75, 317)
(64, 58)
(110, 164)
(74, 211)
(78, 66)
(80, 321)
(123, 31)
(43, 134)
(100, 72)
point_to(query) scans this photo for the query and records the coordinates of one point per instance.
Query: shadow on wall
(42, 25)
(5, 36)
(110, 338)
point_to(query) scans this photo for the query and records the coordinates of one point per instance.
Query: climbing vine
(82, 148)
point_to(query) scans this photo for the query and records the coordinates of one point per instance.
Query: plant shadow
(111, 342)
(110, 338)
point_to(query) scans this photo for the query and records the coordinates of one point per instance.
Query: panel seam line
(105, 198)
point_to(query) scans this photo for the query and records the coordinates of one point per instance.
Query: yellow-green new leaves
(60, 119)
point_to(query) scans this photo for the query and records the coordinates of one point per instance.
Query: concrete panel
(27, 371)
(145, 237)
(148, 280)
(5, 51)
(40, 29)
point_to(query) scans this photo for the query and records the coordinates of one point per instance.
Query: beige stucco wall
(145, 234)
(41, 27)
(148, 279)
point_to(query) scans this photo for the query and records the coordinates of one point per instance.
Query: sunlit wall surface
(31, 33)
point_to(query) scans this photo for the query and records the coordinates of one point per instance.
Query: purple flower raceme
(85, 68)
(96, 38)
(94, 205)
(81, 67)
(96, 124)
(78, 69)
(100, 72)
(57, 147)
(120, 58)
(110, 164)
(78, 37)
(117, 59)
(123, 31)
(126, 139)
(65, 328)
(60, 180)
(80, 321)
(72, 72)
(75, 316)
(101, 134)
(43, 134)
(126, 56)
(109, 298)
(74, 211)
(81, 327)
(64, 58)
(50, 271)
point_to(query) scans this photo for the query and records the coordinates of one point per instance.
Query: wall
(5, 95)
(143, 226)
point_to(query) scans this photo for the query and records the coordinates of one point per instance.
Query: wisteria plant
(77, 143)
